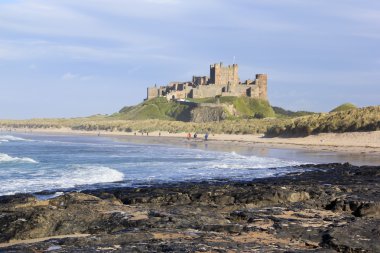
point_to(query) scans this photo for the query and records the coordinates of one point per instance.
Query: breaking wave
(8, 138)
(4, 158)
(72, 177)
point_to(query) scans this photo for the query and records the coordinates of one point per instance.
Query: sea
(41, 164)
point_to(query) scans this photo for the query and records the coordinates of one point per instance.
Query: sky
(70, 58)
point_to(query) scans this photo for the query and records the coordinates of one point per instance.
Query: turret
(262, 84)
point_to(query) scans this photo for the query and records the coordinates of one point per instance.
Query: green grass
(362, 119)
(245, 107)
(282, 113)
(344, 107)
(158, 108)
(253, 107)
(111, 124)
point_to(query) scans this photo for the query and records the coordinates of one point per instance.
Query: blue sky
(72, 58)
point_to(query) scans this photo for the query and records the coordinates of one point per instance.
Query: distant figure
(147, 133)
(159, 133)
(98, 133)
(189, 136)
(142, 133)
(195, 135)
(135, 133)
(206, 136)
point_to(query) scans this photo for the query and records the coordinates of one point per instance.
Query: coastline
(328, 208)
(333, 208)
(363, 145)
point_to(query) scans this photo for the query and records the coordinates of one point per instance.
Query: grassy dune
(363, 119)
(243, 126)
(344, 107)
(132, 119)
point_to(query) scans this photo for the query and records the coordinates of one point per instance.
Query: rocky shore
(329, 208)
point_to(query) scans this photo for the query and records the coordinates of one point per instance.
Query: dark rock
(330, 207)
(358, 236)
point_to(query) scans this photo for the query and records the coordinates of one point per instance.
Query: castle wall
(262, 84)
(206, 91)
(255, 91)
(238, 91)
(152, 92)
(223, 81)
(220, 75)
(200, 80)
(176, 94)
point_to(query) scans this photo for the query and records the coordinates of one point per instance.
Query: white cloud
(80, 20)
(69, 76)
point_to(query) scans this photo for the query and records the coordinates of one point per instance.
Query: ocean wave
(7, 138)
(92, 174)
(7, 158)
(74, 176)
(237, 161)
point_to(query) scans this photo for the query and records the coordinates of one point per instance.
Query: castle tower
(220, 75)
(234, 79)
(262, 84)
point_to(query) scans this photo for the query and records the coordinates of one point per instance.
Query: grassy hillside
(344, 107)
(158, 108)
(280, 113)
(363, 119)
(244, 106)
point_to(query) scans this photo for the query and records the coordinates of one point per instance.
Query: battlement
(220, 75)
(223, 81)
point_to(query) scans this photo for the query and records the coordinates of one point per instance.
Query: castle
(223, 81)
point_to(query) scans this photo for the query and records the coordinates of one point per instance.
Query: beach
(255, 195)
(348, 141)
(359, 148)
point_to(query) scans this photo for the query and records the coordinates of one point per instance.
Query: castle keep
(223, 81)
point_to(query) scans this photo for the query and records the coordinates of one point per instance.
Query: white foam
(90, 174)
(8, 158)
(74, 176)
(237, 161)
(7, 138)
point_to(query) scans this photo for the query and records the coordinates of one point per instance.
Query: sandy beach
(352, 142)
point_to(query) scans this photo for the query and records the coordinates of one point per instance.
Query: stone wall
(220, 75)
(206, 91)
(200, 80)
(152, 92)
(262, 84)
(223, 81)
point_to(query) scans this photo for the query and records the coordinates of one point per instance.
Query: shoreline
(334, 208)
(364, 146)
(348, 141)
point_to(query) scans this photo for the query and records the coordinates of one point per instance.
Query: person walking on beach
(195, 135)
(189, 136)
(206, 136)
